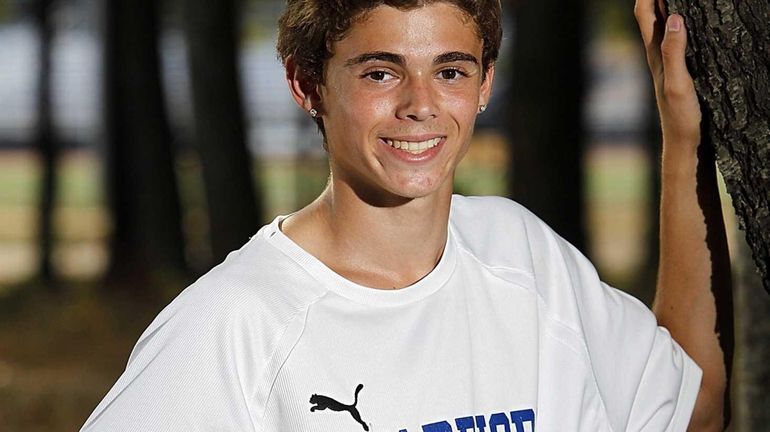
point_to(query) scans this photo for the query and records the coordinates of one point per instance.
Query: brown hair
(308, 28)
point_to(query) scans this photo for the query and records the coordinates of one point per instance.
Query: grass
(61, 354)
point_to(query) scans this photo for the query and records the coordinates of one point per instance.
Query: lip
(407, 157)
(423, 137)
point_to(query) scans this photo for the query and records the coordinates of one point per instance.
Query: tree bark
(729, 58)
(546, 114)
(233, 204)
(146, 244)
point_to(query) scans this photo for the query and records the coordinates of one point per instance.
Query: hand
(665, 40)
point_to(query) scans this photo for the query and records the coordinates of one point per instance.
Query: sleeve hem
(688, 392)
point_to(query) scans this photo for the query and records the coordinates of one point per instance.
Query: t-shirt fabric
(512, 331)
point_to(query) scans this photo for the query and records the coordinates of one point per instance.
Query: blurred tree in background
(234, 207)
(46, 142)
(546, 113)
(146, 245)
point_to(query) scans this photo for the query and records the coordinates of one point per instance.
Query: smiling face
(400, 96)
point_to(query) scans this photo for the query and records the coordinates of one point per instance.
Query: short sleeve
(183, 375)
(645, 379)
(667, 389)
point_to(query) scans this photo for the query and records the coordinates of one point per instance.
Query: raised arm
(693, 295)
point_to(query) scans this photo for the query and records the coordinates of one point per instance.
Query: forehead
(424, 30)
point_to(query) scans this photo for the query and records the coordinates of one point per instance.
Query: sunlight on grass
(617, 209)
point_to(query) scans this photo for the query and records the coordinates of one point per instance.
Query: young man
(389, 304)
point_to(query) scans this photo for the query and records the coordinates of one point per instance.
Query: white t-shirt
(511, 331)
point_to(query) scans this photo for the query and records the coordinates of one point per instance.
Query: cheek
(369, 109)
(462, 103)
(352, 109)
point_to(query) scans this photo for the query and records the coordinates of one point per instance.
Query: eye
(378, 75)
(451, 74)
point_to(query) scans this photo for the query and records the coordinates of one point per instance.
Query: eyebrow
(377, 56)
(448, 57)
(455, 56)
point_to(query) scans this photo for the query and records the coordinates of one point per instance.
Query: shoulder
(464, 207)
(249, 298)
(256, 274)
(503, 234)
(500, 232)
(510, 241)
(256, 284)
(222, 336)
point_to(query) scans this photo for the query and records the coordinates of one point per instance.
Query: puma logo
(321, 402)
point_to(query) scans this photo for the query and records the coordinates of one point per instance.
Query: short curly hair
(308, 28)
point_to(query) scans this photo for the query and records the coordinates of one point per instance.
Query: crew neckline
(358, 293)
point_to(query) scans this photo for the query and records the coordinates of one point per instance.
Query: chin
(421, 188)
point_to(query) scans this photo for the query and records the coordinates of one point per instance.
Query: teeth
(414, 147)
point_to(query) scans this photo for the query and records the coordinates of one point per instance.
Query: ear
(486, 86)
(303, 89)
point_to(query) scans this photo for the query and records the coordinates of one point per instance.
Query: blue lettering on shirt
(498, 422)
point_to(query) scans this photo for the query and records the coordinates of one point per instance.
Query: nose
(418, 100)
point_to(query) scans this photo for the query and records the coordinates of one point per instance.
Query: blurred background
(140, 141)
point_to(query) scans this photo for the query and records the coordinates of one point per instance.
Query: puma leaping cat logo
(322, 402)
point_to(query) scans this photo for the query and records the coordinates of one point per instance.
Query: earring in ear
(313, 112)
(482, 108)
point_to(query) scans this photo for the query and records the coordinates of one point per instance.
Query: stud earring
(482, 108)
(313, 112)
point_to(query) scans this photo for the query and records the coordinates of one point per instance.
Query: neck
(384, 244)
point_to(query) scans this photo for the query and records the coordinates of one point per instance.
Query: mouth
(413, 147)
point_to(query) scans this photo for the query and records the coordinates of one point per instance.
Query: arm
(694, 277)
(693, 292)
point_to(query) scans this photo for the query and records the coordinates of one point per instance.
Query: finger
(676, 77)
(650, 20)
(644, 11)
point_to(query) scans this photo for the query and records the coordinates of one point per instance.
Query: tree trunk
(146, 244)
(233, 205)
(547, 137)
(45, 141)
(729, 58)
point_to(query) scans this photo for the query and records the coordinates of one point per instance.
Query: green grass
(18, 180)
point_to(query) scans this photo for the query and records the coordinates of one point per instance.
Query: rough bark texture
(546, 113)
(146, 244)
(220, 138)
(729, 58)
